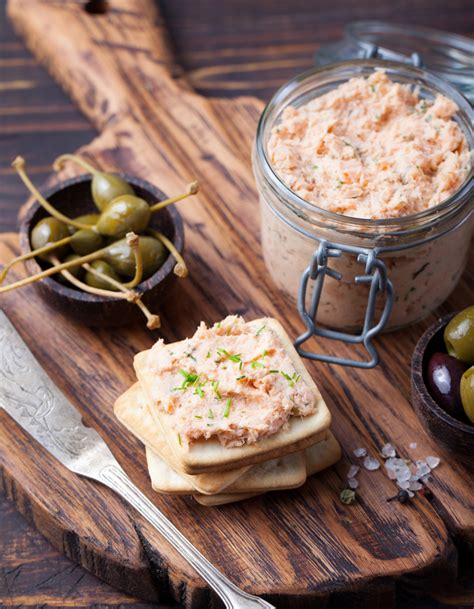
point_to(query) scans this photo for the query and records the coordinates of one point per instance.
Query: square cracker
(132, 410)
(222, 498)
(322, 455)
(278, 474)
(318, 457)
(210, 456)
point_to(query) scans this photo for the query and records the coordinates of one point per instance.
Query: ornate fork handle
(234, 598)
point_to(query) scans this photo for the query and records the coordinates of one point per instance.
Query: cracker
(210, 456)
(277, 474)
(222, 499)
(132, 411)
(322, 455)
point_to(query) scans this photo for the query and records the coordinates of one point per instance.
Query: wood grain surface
(381, 540)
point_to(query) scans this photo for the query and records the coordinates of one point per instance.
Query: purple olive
(443, 378)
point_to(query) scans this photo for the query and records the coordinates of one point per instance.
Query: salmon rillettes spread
(371, 148)
(233, 381)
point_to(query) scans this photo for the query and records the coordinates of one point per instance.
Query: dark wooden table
(226, 48)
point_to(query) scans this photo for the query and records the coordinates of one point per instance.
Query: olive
(121, 257)
(459, 336)
(124, 214)
(46, 231)
(85, 241)
(91, 219)
(444, 374)
(467, 393)
(76, 271)
(106, 187)
(96, 282)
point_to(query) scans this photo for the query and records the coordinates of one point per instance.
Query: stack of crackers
(215, 474)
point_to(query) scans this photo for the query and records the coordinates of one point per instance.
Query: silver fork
(32, 399)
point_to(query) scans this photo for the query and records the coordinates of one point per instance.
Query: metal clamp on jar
(354, 277)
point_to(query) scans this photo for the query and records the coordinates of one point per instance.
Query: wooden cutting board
(297, 548)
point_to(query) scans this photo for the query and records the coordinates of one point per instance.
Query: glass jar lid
(448, 55)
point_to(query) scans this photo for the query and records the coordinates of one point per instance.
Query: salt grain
(404, 474)
(413, 445)
(360, 452)
(422, 469)
(432, 461)
(353, 471)
(352, 483)
(403, 484)
(371, 464)
(388, 450)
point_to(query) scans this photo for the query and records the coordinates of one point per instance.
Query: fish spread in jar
(371, 148)
(233, 381)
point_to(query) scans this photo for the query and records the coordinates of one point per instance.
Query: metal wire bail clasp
(376, 278)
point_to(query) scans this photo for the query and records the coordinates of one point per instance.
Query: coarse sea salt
(388, 450)
(352, 483)
(353, 471)
(432, 461)
(413, 445)
(422, 469)
(403, 484)
(371, 464)
(360, 452)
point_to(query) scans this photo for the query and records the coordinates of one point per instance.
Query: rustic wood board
(293, 547)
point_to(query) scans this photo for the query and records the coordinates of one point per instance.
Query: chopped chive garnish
(199, 391)
(260, 330)
(210, 414)
(292, 380)
(273, 371)
(215, 387)
(191, 356)
(189, 377)
(227, 407)
(239, 378)
(372, 88)
(208, 355)
(240, 365)
(257, 364)
(179, 440)
(233, 357)
(197, 416)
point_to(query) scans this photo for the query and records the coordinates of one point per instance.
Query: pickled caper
(96, 282)
(85, 241)
(121, 257)
(46, 231)
(124, 214)
(104, 186)
(459, 336)
(90, 219)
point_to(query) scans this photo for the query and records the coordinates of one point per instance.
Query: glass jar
(423, 254)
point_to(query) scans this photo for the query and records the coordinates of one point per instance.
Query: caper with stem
(97, 280)
(108, 253)
(115, 289)
(180, 268)
(126, 213)
(48, 235)
(104, 186)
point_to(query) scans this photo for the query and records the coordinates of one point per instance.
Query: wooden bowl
(73, 198)
(455, 435)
